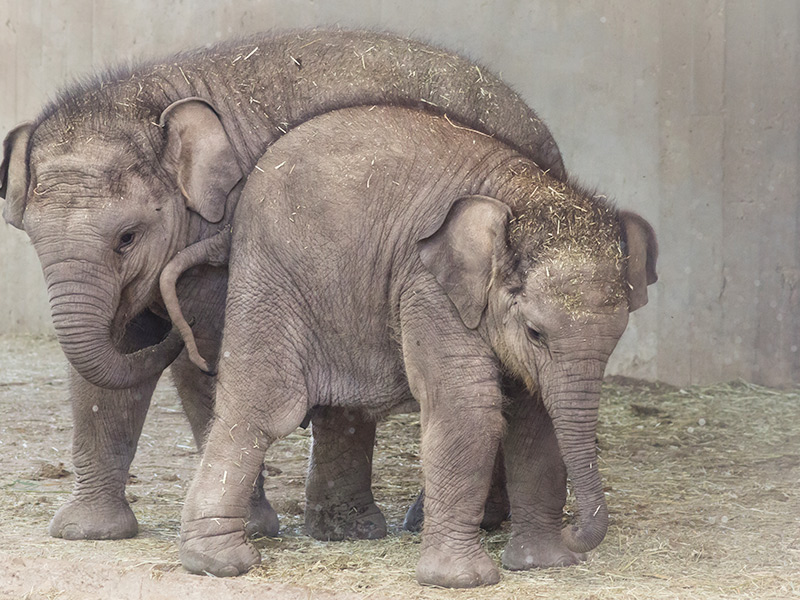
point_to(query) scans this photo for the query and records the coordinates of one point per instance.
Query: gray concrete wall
(683, 110)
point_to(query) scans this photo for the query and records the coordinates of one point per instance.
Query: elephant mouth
(148, 328)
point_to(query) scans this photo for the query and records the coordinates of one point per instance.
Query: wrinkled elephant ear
(642, 251)
(14, 174)
(205, 163)
(464, 251)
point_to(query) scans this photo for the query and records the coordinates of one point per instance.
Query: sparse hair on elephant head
(481, 239)
(197, 152)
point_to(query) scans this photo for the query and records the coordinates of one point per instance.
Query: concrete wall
(683, 110)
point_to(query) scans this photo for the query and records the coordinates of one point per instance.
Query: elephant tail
(214, 251)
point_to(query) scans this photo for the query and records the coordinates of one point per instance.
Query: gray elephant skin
(122, 171)
(466, 279)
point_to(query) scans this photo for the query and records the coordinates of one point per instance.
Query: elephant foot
(207, 548)
(496, 511)
(538, 551)
(262, 521)
(442, 568)
(344, 522)
(105, 518)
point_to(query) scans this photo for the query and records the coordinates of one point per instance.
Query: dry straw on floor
(701, 485)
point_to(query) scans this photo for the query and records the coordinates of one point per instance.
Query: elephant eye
(125, 240)
(534, 335)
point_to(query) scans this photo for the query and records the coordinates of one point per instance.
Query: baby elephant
(384, 255)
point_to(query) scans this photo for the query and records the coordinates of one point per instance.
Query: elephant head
(550, 288)
(107, 203)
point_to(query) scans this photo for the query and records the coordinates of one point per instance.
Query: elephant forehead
(51, 160)
(67, 218)
(578, 286)
(75, 181)
(70, 208)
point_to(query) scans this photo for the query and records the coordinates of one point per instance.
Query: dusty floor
(701, 485)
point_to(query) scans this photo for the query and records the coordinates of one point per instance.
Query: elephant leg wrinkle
(339, 501)
(537, 485)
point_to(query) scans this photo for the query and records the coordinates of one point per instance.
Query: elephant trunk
(82, 316)
(573, 409)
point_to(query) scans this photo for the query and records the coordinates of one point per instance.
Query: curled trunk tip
(590, 531)
(110, 369)
(574, 415)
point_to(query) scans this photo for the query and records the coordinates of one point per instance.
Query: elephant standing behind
(468, 280)
(125, 169)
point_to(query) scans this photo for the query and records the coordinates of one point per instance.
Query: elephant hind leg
(262, 520)
(496, 511)
(196, 391)
(339, 501)
(415, 515)
(497, 507)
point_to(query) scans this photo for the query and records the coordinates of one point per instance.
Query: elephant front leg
(537, 486)
(453, 374)
(213, 537)
(196, 391)
(339, 501)
(458, 452)
(203, 291)
(106, 429)
(255, 405)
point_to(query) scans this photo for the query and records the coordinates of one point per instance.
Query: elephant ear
(206, 168)
(14, 174)
(642, 251)
(463, 251)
